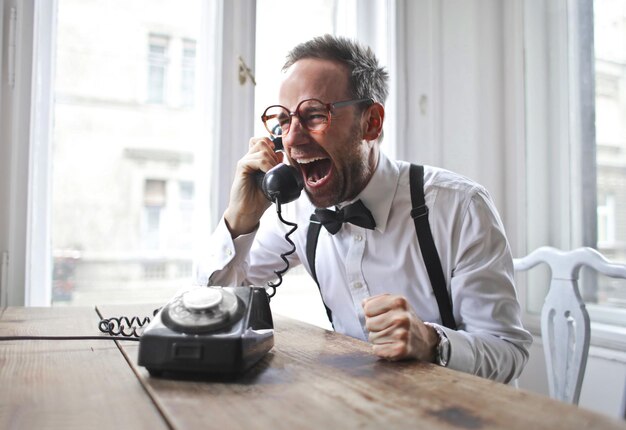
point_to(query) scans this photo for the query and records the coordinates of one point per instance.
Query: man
(373, 278)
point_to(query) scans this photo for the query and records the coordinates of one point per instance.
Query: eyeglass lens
(313, 116)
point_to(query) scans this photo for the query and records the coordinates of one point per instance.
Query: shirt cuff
(225, 251)
(461, 351)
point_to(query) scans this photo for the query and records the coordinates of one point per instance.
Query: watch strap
(443, 347)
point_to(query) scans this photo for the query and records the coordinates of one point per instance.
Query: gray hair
(367, 79)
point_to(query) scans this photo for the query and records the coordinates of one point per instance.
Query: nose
(296, 130)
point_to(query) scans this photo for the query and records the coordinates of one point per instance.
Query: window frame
(235, 23)
(25, 121)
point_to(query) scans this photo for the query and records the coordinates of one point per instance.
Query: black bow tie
(355, 213)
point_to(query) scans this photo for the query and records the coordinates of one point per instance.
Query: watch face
(443, 349)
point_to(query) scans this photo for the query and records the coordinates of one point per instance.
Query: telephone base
(196, 344)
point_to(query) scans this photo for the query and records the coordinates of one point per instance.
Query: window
(154, 204)
(188, 73)
(606, 221)
(607, 295)
(575, 78)
(157, 67)
(125, 174)
(186, 192)
(610, 101)
(155, 270)
(186, 198)
(154, 193)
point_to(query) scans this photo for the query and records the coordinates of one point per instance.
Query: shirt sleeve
(225, 260)
(490, 341)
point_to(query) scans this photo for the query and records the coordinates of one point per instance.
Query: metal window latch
(245, 72)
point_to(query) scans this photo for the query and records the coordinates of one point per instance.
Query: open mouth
(315, 170)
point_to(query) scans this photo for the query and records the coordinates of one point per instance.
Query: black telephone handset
(282, 183)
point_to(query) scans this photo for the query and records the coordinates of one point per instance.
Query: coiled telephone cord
(118, 328)
(271, 290)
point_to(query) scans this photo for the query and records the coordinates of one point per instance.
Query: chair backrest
(565, 329)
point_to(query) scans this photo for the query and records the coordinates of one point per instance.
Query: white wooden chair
(565, 327)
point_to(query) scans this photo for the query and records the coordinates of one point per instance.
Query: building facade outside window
(125, 170)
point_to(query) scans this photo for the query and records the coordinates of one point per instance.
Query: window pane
(610, 71)
(188, 72)
(157, 67)
(125, 171)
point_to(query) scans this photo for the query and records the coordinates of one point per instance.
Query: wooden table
(312, 379)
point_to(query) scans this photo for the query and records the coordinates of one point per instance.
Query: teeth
(309, 160)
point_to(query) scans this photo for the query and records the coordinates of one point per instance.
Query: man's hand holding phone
(247, 202)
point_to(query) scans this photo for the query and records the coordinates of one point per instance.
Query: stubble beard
(349, 182)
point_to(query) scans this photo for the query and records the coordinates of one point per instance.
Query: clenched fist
(395, 332)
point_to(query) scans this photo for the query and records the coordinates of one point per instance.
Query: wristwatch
(443, 347)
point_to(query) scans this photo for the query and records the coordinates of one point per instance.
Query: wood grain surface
(67, 384)
(316, 379)
(311, 379)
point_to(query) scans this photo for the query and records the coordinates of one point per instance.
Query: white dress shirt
(356, 263)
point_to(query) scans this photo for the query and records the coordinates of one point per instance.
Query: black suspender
(311, 245)
(419, 213)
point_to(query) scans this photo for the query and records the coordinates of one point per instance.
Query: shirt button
(229, 252)
(357, 285)
(358, 237)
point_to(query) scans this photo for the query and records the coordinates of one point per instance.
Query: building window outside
(606, 222)
(155, 199)
(188, 73)
(155, 270)
(158, 62)
(153, 226)
(186, 197)
(154, 192)
(186, 192)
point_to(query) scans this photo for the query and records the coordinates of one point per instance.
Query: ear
(373, 122)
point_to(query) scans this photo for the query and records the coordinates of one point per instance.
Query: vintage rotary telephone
(221, 329)
(208, 330)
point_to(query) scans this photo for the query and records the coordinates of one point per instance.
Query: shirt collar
(380, 191)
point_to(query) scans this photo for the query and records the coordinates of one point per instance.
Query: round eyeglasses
(313, 114)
